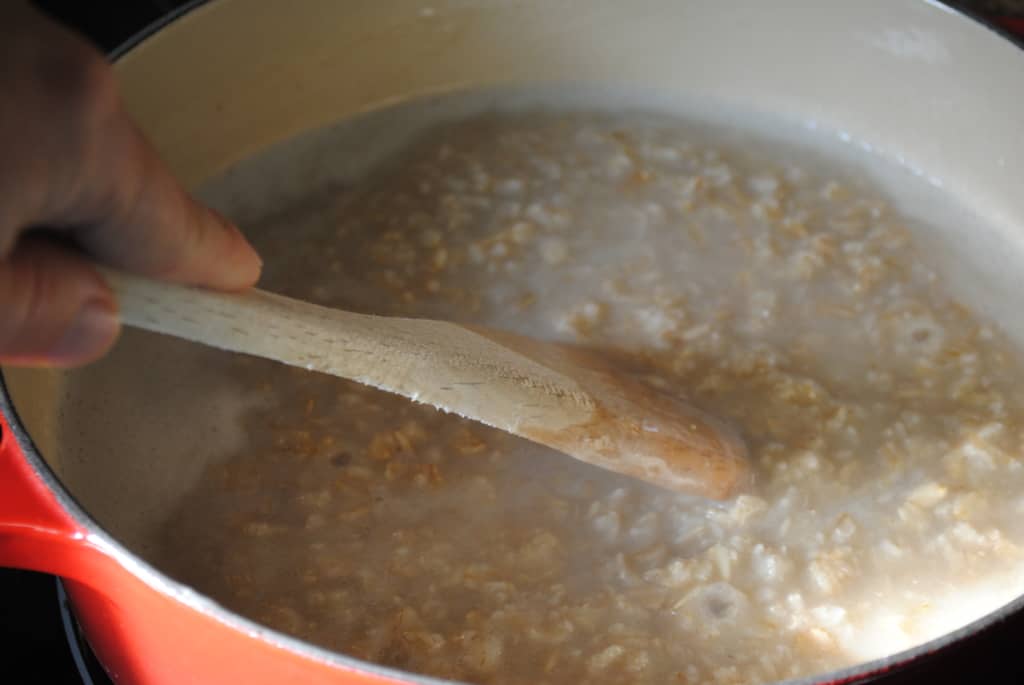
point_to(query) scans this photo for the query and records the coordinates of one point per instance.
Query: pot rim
(184, 594)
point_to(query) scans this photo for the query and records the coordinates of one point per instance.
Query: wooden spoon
(559, 395)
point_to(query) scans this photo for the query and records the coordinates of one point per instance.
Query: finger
(81, 164)
(138, 217)
(57, 311)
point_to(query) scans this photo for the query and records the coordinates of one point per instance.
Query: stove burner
(89, 668)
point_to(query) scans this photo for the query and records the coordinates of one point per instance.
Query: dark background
(33, 645)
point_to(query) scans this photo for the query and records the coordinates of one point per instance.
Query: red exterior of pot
(142, 634)
(145, 637)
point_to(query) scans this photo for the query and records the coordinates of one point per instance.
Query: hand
(71, 160)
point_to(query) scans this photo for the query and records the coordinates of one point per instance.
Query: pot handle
(36, 531)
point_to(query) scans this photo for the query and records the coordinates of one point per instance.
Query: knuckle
(87, 134)
(58, 144)
(50, 67)
(84, 83)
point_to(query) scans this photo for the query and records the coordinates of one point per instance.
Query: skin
(80, 184)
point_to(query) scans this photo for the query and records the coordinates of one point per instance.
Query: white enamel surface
(909, 78)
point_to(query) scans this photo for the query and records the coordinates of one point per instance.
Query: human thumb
(55, 309)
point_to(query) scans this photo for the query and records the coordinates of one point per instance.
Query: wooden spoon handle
(439, 363)
(554, 394)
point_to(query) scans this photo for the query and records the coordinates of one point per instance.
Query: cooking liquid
(761, 271)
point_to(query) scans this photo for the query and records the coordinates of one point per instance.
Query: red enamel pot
(88, 465)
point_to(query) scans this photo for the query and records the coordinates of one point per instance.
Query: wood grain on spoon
(562, 396)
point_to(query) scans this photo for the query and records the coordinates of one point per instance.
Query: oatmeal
(765, 286)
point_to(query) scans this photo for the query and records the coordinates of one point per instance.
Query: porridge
(760, 282)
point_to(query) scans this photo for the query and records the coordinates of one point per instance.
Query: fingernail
(90, 334)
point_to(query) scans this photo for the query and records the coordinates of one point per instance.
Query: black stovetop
(39, 640)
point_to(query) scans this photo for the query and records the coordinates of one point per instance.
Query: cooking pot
(89, 466)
